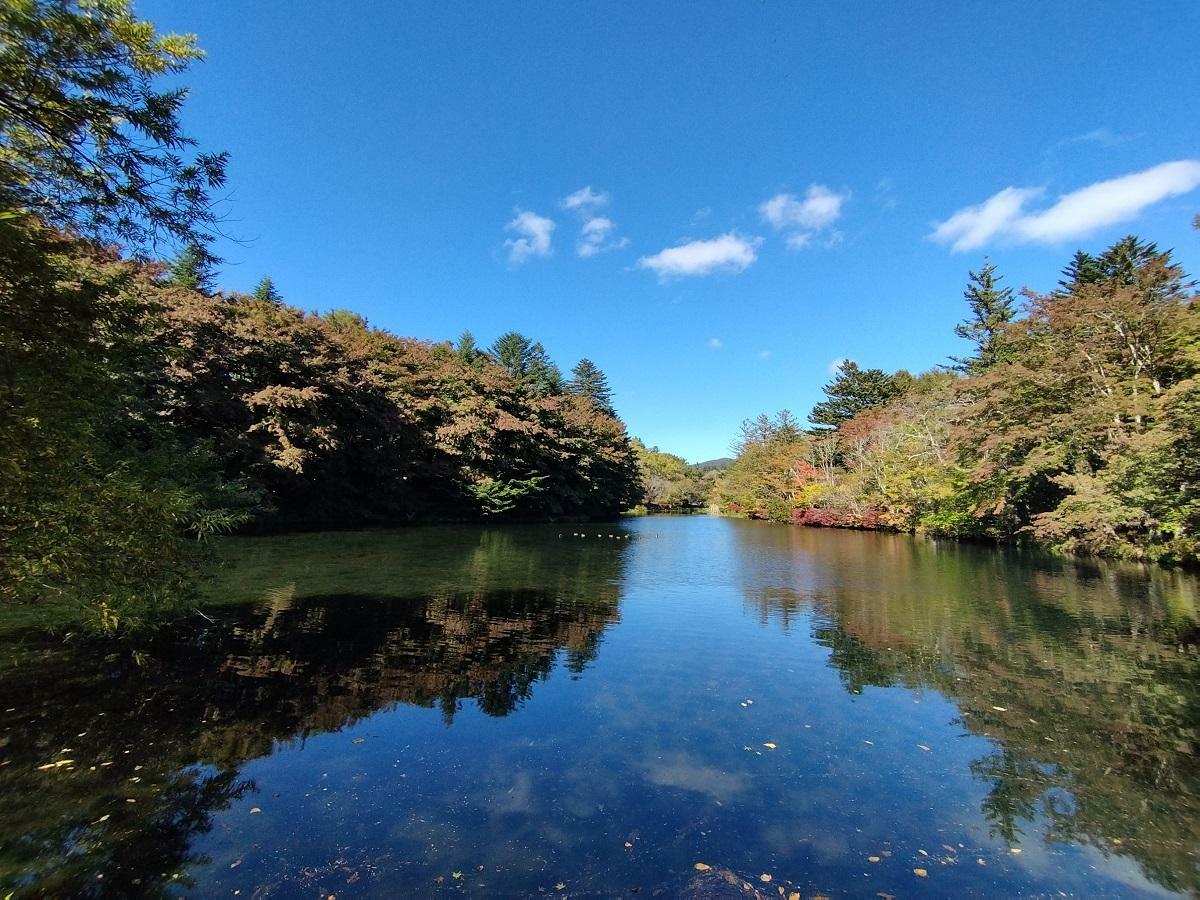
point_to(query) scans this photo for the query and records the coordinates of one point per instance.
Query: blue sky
(769, 187)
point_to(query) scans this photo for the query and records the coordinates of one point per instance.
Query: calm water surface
(509, 711)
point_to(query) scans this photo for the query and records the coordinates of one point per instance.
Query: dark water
(510, 712)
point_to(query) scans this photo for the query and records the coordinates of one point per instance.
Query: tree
(192, 270)
(992, 308)
(88, 143)
(588, 381)
(1083, 269)
(852, 390)
(265, 291)
(528, 363)
(466, 350)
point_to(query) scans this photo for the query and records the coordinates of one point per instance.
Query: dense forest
(143, 409)
(1074, 423)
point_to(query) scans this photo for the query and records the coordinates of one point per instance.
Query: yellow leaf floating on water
(764, 877)
(769, 745)
(1015, 850)
(794, 895)
(456, 875)
(254, 810)
(1000, 708)
(703, 867)
(560, 887)
(920, 873)
(922, 747)
(873, 859)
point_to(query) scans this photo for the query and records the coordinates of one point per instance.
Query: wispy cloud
(764, 354)
(597, 233)
(715, 344)
(1003, 216)
(585, 199)
(727, 253)
(804, 217)
(596, 236)
(534, 237)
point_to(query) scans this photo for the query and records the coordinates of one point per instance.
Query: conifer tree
(588, 381)
(852, 390)
(466, 350)
(192, 270)
(992, 308)
(265, 291)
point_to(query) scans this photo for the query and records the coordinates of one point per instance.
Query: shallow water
(512, 711)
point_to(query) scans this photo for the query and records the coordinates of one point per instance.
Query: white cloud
(804, 218)
(534, 240)
(585, 199)
(596, 236)
(1003, 215)
(727, 253)
(714, 343)
(764, 354)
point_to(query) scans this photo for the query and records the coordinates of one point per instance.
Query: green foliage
(853, 390)
(588, 381)
(191, 270)
(1077, 424)
(992, 308)
(266, 292)
(669, 481)
(87, 142)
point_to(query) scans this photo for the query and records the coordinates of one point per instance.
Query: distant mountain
(715, 465)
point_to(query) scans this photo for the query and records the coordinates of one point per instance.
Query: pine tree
(528, 363)
(1083, 269)
(192, 270)
(466, 350)
(265, 292)
(992, 308)
(851, 391)
(588, 381)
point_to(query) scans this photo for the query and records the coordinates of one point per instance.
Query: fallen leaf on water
(456, 875)
(794, 895)
(923, 747)
(103, 818)
(769, 745)
(885, 896)
(703, 867)
(254, 809)
(560, 887)
(1015, 850)
(920, 873)
(235, 864)
(872, 743)
(628, 845)
(980, 861)
(1000, 708)
(873, 859)
(922, 852)
(358, 741)
(949, 848)
(764, 877)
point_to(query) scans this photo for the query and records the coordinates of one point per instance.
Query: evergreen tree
(588, 381)
(192, 270)
(1126, 258)
(528, 363)
(1083, 269)
(992, 308)
(466, 350)
(265, 291)
(852, 390)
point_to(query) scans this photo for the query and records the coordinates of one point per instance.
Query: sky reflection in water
(498, 711)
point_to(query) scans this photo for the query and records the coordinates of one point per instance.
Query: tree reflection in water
(156, 731)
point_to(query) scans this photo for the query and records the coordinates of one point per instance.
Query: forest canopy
(1074, 423)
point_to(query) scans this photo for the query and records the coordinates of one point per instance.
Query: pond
(669, 706)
